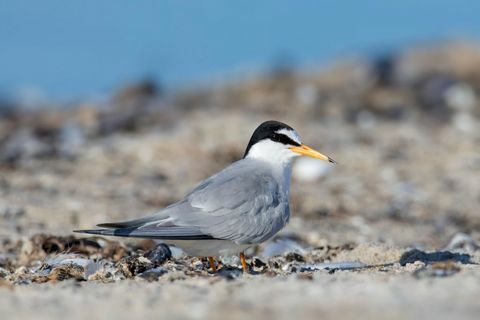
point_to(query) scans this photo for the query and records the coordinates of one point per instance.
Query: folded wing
(242, 203)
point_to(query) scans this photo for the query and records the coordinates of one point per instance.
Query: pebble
(230, 273)
(159, 254)
(153, 274)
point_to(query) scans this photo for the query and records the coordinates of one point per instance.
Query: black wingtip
(331, 160)
(110, 225)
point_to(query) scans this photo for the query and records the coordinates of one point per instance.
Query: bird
(243, 205)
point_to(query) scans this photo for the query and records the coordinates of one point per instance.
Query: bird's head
(275, 141)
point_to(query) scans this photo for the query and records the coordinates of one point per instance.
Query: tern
(245, 204)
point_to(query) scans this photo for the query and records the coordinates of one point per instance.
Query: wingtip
(89, 231)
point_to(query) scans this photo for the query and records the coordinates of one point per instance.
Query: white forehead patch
(292, 134)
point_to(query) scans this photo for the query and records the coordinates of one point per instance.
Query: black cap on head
(269, 130)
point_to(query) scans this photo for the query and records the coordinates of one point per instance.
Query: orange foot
(212, 264)
(244, 262)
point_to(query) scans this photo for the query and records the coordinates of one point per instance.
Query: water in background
(66, 49)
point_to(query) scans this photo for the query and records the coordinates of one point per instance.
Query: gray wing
(242, 203)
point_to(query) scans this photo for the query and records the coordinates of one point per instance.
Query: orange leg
(212, 264)
(244, 262)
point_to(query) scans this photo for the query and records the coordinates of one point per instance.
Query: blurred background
(113, 109)
(78, 50)
(110, 110)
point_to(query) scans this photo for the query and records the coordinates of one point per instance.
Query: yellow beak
(307, 151)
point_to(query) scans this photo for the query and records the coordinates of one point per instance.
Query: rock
(438, 256)
(66, 266)
(134, 265)
(258, 265)
(230, 273)
(415, 266)
(159, 254)
(293, 256)
(153, 274)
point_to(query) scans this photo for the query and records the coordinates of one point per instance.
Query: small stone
(230, 273)
(415, 266)
(293, 256)
(258, 265)
(133, 266)
(21, 270)
(159, 254)
(198, 265)
(305, 276)
(153, 274)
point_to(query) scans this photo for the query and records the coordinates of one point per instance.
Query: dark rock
(258, 265)
(159, 254)
(438, 256)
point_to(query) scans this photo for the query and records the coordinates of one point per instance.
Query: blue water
(70, 49)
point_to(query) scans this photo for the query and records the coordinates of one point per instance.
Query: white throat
(275, 153)
(278, 156)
